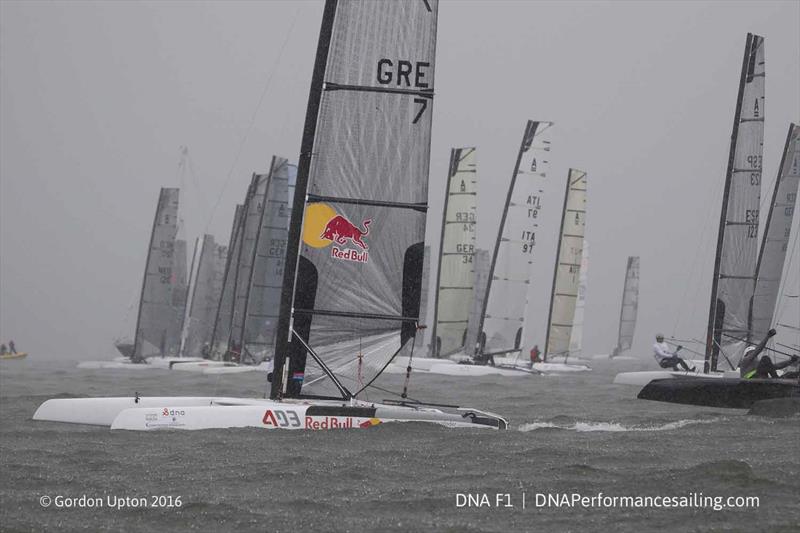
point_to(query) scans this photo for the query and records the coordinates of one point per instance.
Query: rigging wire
(253, 117)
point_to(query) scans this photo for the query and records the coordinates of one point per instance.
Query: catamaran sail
(629, 308)
(155, 319)
(264, 286)
(361, 198)
(568, 265)
(205, 296)
(180, 284)
(503, 315)
(775, 241)
(221, 334)
(455, 274)
(481, 262)
(737, 243)
(576, 336)
(251, 224)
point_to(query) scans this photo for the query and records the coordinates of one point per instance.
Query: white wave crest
(585, 427)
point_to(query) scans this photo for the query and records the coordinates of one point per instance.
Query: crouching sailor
(666, 358)
(752, 367)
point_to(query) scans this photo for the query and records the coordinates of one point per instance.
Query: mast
(722, 317)
(284, 337)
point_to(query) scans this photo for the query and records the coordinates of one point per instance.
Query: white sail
(503, 316)
(568, 266)
(156, 315)
(737, 244)
(576, 337)
(205, 296)
(455, 275)
(629, 307)
(775, 244)
(481, 262)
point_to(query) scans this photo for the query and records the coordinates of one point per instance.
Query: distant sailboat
(503, 317)
(566, 277)
(628, 309)
(455, 275)
(156, 331)
(205, 296)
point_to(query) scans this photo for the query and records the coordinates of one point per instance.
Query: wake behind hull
(732, 393)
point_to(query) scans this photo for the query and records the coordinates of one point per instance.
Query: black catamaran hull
(732, 393)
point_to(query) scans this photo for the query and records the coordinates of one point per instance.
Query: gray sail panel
(251, 226)
(481, 263)
(222, 327)
(776, 237)
(361, 253)
(180, 280)
(735, 268)
(576, 336)
(507, 288)
(457, 247)
(205, 299)
(265, 287)
(629, 308)
(568, 267)
(156, 313)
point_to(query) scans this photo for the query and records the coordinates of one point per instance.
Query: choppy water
(575, 433)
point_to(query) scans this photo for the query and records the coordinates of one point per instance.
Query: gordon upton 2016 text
(110, 502)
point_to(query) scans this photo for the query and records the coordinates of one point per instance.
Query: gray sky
(96, 99)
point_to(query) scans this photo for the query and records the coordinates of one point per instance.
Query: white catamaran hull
(145, 413)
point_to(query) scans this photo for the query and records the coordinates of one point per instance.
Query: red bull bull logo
(323, 227)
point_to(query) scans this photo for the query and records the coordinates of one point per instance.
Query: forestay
(455, 275)
(352, 292)
(502, 319)
(568, 266)
(629, 307)
(737, 243)
(156, 314)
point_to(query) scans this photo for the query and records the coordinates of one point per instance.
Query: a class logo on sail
(324, 226)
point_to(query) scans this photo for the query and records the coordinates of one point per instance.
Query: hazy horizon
(96, 100)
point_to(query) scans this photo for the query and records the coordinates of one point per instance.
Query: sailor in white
(666, 358)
